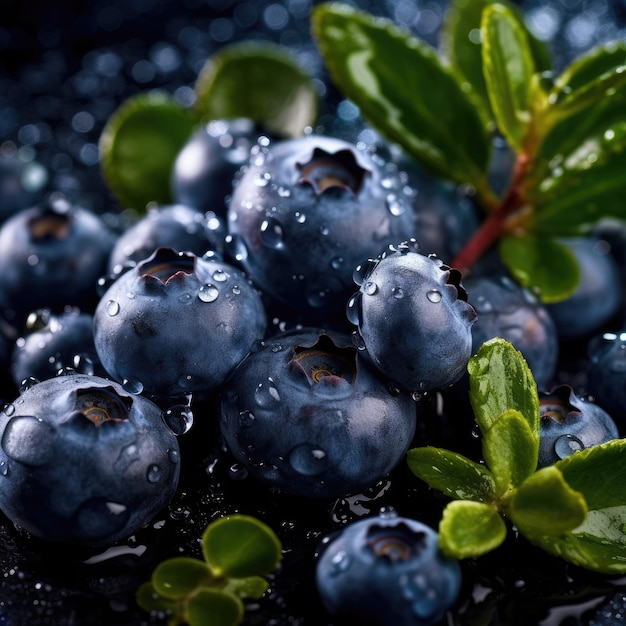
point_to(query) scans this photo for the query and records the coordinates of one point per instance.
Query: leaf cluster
(574, 509)
(238, 552)
(492, 78)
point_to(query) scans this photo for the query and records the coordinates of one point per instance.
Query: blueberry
(305, 414)
(84, 462)
(168, 226)
(54, 342)
(507, 310)
(387, 570)
(52, 256)
(204, 169)
(606, 373)
(305, 211)
(569, 424)
(177, 323)
(412, 317)
(597, 298)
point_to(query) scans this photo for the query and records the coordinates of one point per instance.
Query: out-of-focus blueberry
(84, 462)
(598, 296)
(304, 413)
(169, 226)
(507, 310)
(387, 570)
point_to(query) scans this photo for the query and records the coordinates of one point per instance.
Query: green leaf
(138, 146)
(545, 503)
(461, 42)
(214, 607)
(586, 81)
(508, 67)
(452, 473)
(252, 587)
(178, 577)
(470, 529)
(149, 600)
(543, 264)
(391, 76)
(500, 380)
(240, 546)
(510, 448)
(599, 543)
(258, 80)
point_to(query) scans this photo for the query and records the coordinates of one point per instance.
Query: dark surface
(64, 69)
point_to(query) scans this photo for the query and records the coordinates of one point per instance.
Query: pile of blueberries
(271, 343)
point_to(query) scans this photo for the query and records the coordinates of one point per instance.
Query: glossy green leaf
(599, 543)
(451, 473)
(214, 607)
(510, 448)
(543, 264)
(138, 146)
(586, 81)
(391, 76)
(149, 600)
(508, 66)
(545, 503)
(240, 546)
(500, 380)
(461, 42)
(258, 80)
(179, 576)
(470, 529)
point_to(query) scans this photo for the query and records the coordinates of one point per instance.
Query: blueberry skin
(606, 373)
(54, 342)
(387, 571)
(204, 169)
(413, 319)
(305, 211)
(84, 462)
(505, 309)
(52, 255)
(569, 424)
(305, 414)
(168, 226)
(598, 297)
(177, 323)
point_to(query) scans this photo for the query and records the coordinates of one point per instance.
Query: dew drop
(20, 440)
(236, 289)
(237, 471)
(566, 445)
(370, 288)
(132, 385)
(4, 468)
(434, 295)
(353, 309)
(153, 474)
(208, 293)
(83, 364)
(272, 233)
(185, 298)
(266, 394)
(337, 262)
(357, 341)
(9, 409)
(220, 276)
(397, 293)
(179, 419)
(300, 217)
(246, 418)
(308, 459)
(112, 307)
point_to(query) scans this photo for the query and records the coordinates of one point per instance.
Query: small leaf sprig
(492, 76)
(574, 509)
(238, 551)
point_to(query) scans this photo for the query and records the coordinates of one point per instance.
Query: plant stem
(508, 213)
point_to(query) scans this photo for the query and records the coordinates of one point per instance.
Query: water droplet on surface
(179, 419)
(300, 217)
(357, 341)
(266, 394)
(353, 309)
(112, 307)
(566, 445)
(208, 293)
(434, 295)
(341, 563)
(185, 298)
(132, 385)
(220, 276)
(397, 293)
(21, 436)
(272, 233)
(9, 409)
(370, 288)
(153, 474)
(237, 471)
(246, 418)
(308, 459)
